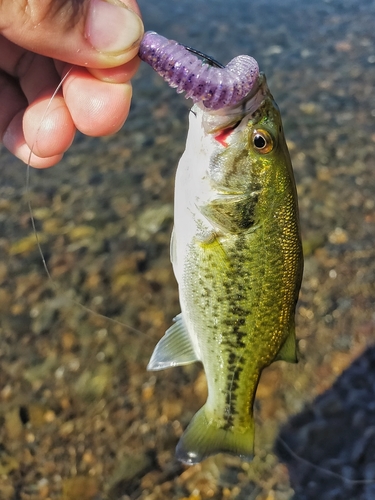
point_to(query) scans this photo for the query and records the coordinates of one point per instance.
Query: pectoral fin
(174, 349)
(232, 213)
(288, 351)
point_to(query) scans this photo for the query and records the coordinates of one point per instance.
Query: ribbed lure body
(181, 69)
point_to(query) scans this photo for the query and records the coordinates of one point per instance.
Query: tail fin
(203, 438)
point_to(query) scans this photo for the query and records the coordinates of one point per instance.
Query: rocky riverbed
(80, 418)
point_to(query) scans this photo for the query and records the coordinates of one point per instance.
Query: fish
(237, 257)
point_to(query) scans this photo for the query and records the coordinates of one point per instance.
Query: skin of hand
(95, 41)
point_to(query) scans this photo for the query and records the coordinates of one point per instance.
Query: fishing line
(208, 59)
(318, 468)
(33, 225)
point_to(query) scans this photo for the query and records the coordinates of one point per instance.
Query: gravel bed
(80, 418)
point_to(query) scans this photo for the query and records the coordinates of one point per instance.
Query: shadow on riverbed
(336, 432)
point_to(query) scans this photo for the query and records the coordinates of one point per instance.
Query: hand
(96, 41)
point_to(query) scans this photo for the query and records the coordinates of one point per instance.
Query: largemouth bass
(237, 257)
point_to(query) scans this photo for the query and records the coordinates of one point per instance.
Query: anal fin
(174, 349)
(288, 351)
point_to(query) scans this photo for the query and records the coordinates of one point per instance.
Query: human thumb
(91, 33)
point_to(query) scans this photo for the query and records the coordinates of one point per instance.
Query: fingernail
(111, 27)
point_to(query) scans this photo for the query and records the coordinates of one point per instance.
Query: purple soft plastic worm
(215, 87)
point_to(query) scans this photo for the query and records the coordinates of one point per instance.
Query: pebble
(151, 221)
(81, 232)
(128, 469)
(80, 488)
(26, 245)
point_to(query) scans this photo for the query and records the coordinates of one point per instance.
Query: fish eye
(262, 141)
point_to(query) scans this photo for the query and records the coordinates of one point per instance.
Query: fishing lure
(236, 249)
(215, 87)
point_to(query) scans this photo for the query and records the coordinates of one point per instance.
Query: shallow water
(80, 416)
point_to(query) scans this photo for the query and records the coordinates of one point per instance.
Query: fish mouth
(216, 120)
